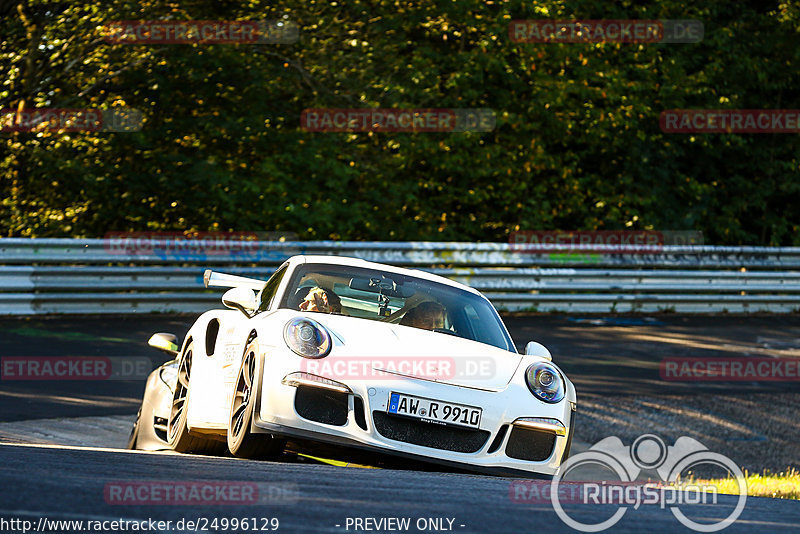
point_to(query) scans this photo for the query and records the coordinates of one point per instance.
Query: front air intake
(321, 405)
(531, 445)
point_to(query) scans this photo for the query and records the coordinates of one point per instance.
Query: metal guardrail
(48, 276)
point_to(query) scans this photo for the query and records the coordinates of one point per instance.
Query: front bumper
(353, 413)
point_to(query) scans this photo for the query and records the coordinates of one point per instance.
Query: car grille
(321, 405)
(431, 435)
(160, 428)
(359, 412)
(531, 445)
(498, 440)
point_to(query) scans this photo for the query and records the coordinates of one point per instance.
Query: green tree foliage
(577, 143)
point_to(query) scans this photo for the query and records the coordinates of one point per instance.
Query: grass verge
(784, 485)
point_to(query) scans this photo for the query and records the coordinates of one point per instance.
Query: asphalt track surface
(68, 484)
(601, 355)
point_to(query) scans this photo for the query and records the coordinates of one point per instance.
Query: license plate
(434, 411)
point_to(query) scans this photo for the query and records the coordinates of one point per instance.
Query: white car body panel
(502, 395)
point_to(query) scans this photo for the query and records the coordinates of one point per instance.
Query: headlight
(169, 375)
(307, 338)
(545, 382)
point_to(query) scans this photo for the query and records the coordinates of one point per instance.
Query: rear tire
(177, 432)
(241, 442)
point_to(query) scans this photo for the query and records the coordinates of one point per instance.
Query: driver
(428, 315)
(322, 300)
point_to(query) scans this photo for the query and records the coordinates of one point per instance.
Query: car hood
(413, 352)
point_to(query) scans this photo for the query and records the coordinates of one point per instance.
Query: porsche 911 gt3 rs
(346, 352)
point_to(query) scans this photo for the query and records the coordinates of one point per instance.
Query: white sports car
(345, 352)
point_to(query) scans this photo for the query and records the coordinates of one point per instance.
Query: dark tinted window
(270, 288)
(390, 297)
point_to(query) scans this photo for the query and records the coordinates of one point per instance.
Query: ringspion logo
(648, 453)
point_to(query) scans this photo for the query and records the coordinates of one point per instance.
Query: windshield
(393, 298)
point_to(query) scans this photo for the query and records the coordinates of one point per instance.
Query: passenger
(322, 300)
(428, 315)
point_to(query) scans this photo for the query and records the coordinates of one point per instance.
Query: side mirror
(165, 342)
(537, 349)
(240, 298)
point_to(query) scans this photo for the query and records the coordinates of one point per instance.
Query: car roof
(358, 262)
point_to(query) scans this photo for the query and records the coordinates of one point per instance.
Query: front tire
(241, 442)
(177, 432)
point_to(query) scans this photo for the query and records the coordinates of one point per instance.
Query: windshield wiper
(446, 331)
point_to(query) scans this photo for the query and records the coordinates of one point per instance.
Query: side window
(270, 288)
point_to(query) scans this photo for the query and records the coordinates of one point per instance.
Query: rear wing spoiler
(213, 279)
